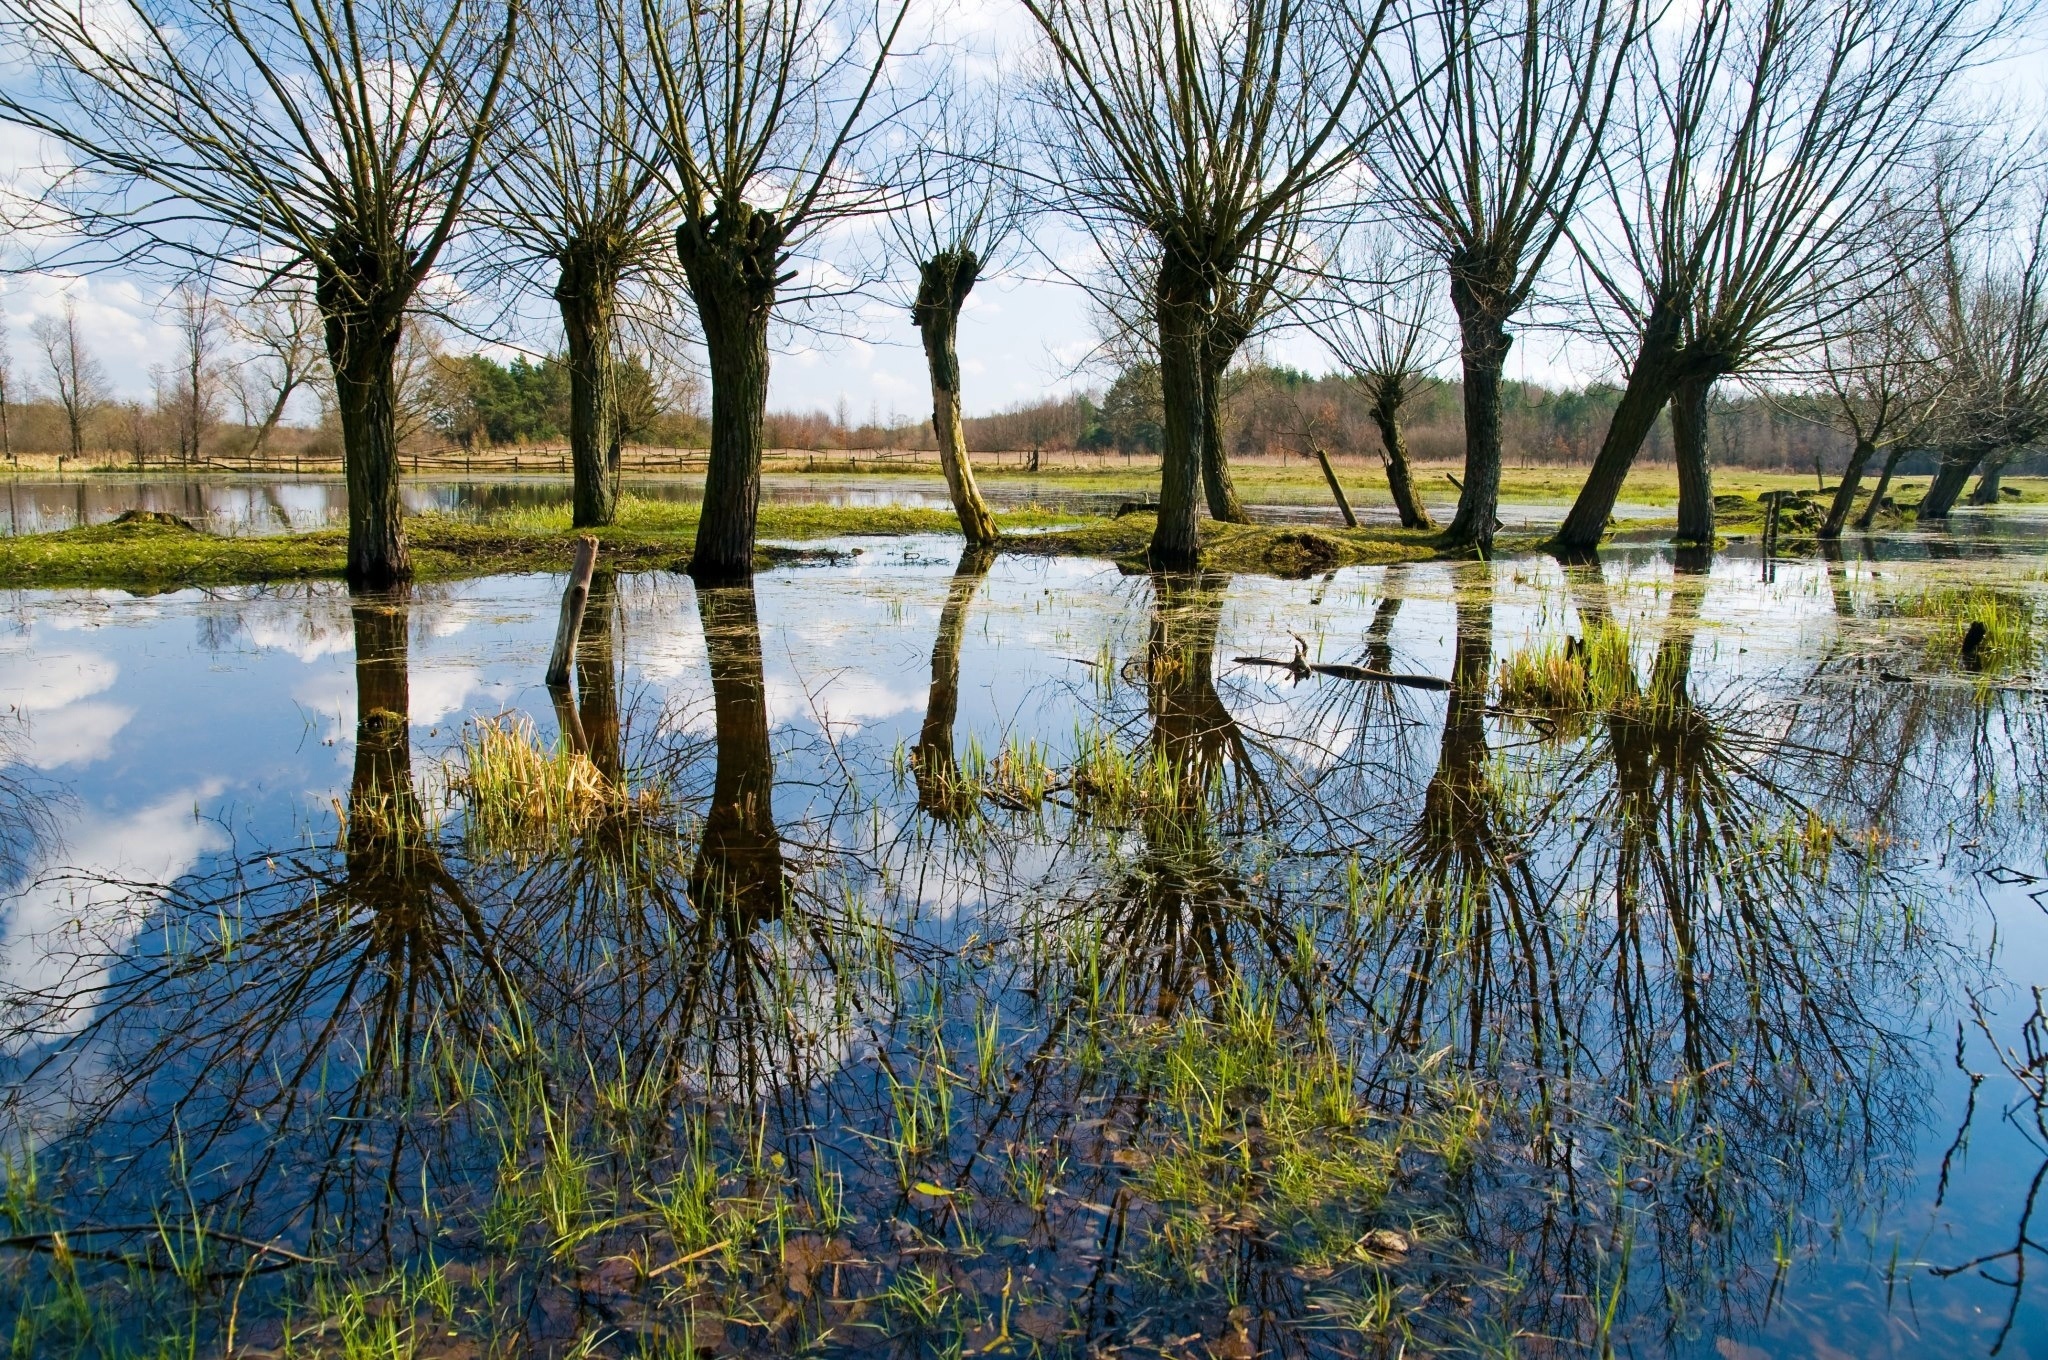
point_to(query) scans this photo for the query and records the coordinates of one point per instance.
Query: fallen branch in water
(60, 1241)
(1301, 666)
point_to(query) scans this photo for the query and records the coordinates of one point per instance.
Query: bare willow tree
(1764, 136)
(280, 326)
(1376, 315)
(1986, 304)
(1497, 110)
(576, 186)
(962, 216)
(196, 315)
(337, 137)
(1878, 386)
(1257, 295)
(1203, 125)
(77, 382)
(760, 106)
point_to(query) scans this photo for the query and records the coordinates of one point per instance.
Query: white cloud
(50, 692)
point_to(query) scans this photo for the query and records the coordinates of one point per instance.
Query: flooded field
(240, 505)
(938, 955)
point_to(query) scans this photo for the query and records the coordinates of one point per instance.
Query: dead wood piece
(573, 600)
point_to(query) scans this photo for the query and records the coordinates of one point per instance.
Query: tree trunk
(738, 877)
(1386, 414)
(1845, 494)
(1180, 306)
(1986, 491)
(587, 294)
(730, 263)
(1219, 346)
(943, 284)
(1884, 482)
(1689, 399)
(362, 348)
(1949, 479)
(1482, 329)
(383, 756)
(1650, 380)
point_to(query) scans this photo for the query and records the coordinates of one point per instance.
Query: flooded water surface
(937, 954)
(228, 503)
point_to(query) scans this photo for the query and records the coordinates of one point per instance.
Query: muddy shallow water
(975, 919)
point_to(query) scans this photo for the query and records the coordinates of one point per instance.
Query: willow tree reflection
(258, 1054)
(940, 791)
(1640, 931)
(1167, 916)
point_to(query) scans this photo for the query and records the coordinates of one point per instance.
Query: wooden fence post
(573, 600)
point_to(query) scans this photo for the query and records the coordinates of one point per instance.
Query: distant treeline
(1272, 410)
(474, 401)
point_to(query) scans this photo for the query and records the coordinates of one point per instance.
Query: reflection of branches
(287, 997)
(2029, 1067)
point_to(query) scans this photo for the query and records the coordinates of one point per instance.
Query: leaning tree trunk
(588, 294)
(362, 350)
(1689, 447)
(1219, 346)
(1180, 307)
(1483, 333)
(1650, 380)
(730, 264)
(1845, 494)
(1986, 490)
(943, 284)
(1386, 414)
(1877, 493)
(1949, 479)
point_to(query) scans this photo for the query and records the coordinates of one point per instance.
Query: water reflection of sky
(170, 729)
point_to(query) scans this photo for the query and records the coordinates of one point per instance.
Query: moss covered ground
(151, 555)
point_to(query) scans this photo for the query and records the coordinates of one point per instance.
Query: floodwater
(227, 503)
(923, 954)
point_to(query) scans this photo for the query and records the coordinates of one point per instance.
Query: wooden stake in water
(573, 600)
(1336, 488)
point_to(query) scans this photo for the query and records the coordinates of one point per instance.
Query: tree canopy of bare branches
(1376, 315)
(77, 382)
(1202, 126)
(334, 137)
(1762, 137)
(576, 183)
(1985, 304)
(761, 106)
(1495, 113)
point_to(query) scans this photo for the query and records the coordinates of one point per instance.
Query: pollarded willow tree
(760, 106)
(1376, 316)
(1201, 125)
(576, 186)
(1985, 303)
(333, 138)
(1768, 140)
(1495, 114)
(1877, 385)
(1258, 293)
(962, 216)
